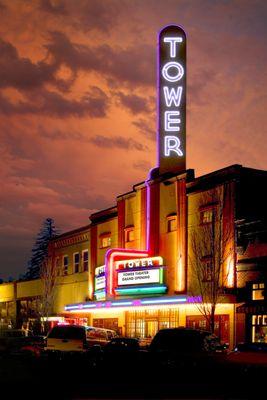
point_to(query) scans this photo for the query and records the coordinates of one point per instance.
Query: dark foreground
(76, 379)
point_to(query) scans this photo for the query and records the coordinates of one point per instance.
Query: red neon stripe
(115, 255)
(121, 222)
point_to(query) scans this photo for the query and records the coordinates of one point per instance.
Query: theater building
(130, 268)
(175, 244)
(140, 254)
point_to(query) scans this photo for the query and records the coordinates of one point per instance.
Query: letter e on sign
(172, 99)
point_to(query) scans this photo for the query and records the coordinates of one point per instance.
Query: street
(74, 379)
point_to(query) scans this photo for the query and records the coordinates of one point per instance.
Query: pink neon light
(147, 215)
(137, 302)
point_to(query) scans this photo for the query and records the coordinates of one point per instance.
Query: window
(105, 240)
(76, 262)
(85, 260)
(108, 323)
(145, 324)
(129, 234)
(206, 216)
(207, 213)
(65, 265)
(202, 324)
(171, 223)
(58, 266)
(206, 269)
(67, 332)
(259, 328)
(258, 291)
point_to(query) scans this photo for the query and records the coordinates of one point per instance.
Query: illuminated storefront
(254, 312)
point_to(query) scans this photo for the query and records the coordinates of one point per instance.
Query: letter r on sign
(172, 143)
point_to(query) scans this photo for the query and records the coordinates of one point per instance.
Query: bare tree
(48, 282)
(211, 254)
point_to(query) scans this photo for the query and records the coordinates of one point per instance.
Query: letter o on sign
(172, 65)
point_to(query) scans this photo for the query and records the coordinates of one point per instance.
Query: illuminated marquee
(110, 282)
(141, 275)
(113, 255)
(172, 99)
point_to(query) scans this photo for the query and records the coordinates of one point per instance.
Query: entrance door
(152, 328)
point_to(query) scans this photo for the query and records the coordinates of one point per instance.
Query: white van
(76, 338)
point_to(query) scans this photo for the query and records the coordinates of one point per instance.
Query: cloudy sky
(78, 96)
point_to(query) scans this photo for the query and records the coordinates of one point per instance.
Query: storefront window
(145, 324)
(259, 328)
(221, 325)
(108, 323)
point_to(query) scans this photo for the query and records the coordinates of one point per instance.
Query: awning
(90, 306)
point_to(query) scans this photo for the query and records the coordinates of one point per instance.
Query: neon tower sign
(172, 99)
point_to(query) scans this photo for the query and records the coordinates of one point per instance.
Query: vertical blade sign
(172, 100)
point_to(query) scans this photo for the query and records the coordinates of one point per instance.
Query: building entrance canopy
(124, 303)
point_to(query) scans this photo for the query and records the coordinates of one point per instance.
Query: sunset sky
(78, 103)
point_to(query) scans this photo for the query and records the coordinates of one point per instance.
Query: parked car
(121, 355)
(18, 342)
(251, 346)
(121, 347)
(248, 356)
(76, 340)
(186, 349)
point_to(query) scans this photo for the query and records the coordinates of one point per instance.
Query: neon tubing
(109, 263)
